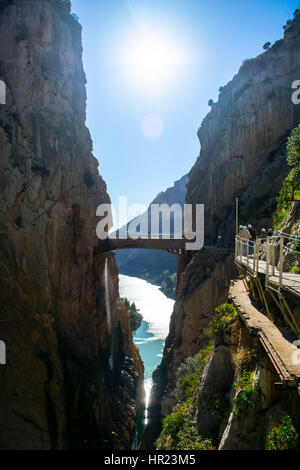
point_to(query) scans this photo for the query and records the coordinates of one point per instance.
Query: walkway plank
(287, 355)
(290, 281)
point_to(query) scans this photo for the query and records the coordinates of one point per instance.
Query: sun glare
(152, 61)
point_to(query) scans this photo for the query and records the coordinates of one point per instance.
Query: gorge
(74, 377)
(70, 355)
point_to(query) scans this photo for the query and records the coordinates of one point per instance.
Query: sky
(151, 67)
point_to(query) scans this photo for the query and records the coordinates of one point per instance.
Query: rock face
(242, 155)
(236, 424)
(243, 141)
(73, 376)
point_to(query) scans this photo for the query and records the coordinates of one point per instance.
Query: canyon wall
(243, 141)
(73, 377)
(243, 155)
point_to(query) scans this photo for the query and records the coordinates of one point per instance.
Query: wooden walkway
(284, 356)
(290, 281)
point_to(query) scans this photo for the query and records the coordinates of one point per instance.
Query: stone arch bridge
(170, 245)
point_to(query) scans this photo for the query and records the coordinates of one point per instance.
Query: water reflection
(156, 309)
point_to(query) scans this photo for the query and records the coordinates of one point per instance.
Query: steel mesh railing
(276, 256)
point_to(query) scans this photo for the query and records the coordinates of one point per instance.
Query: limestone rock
(72, 374)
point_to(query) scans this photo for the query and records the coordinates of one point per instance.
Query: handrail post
(236, 215)
(241, 250)
(255, 257)
(235, 248)
(247, 241)
(273, 259)
(281, 261)
(267, 261)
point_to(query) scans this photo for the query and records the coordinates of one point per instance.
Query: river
(156, 309)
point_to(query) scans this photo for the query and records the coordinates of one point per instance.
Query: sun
(152, 60)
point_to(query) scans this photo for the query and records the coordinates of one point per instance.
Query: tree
(267, 45)
(210, 102)
(293, 148)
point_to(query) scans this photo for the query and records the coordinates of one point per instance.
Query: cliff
(242, 155)
(73, 377)
(243, 141)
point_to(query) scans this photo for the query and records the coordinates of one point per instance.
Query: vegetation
(294, 265)
(134, 315)
(189, 373)
(293, 159)
(287, 25)
(168, 284)
(244, 357)
(179, 427)
(283, 437)
(267, 45)
(225, 316)
(293, 148)
(245, 390)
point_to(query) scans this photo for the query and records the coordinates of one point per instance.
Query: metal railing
(277, 257)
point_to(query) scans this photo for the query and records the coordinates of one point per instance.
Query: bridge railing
(277, 256)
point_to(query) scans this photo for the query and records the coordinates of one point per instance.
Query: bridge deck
(172, 245)
(290, 281)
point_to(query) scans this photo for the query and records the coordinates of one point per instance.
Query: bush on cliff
(179, 427)
(283, 437)
(168, 284)
(189, 373)
(245, 390)
(225, 316)
(284, 198)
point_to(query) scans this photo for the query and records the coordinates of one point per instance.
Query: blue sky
(211, 38)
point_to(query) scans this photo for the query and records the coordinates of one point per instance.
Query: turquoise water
(156, 309)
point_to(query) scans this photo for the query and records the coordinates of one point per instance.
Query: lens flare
(152, 126)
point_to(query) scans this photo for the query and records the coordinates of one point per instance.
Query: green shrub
(179, 427)
(225, 316)
(283, 437)
(168, 284)
(190, 372)
(293, 160)
(245, 390)
(294, 266)
(175, 422)
(180, 431)
(293, 148)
